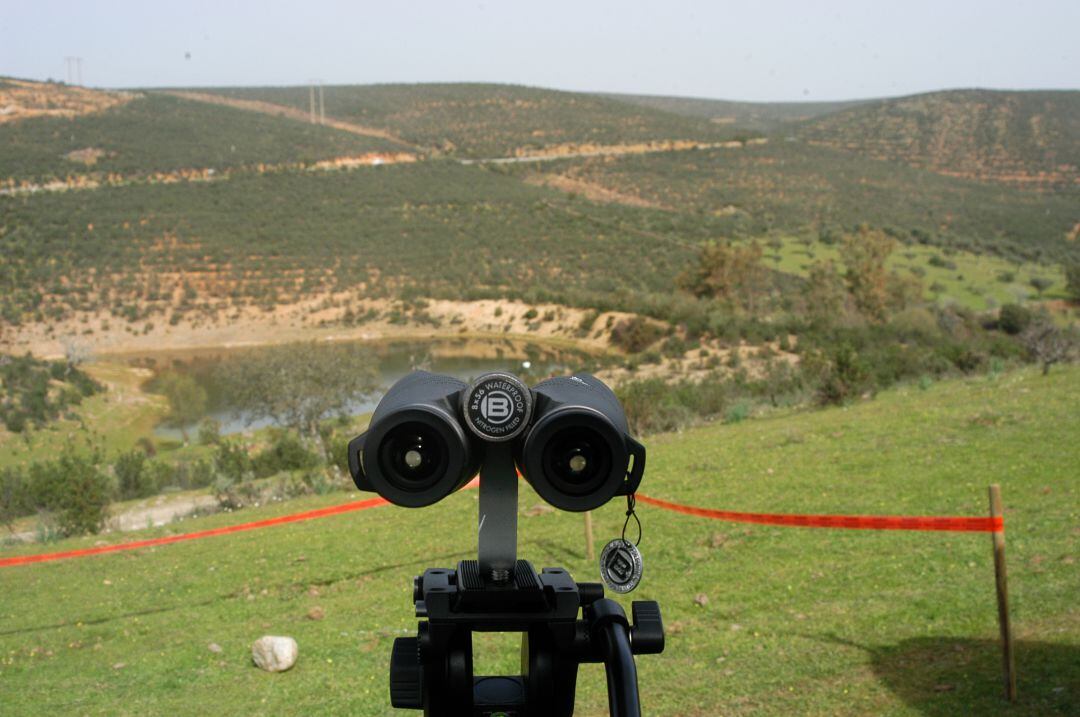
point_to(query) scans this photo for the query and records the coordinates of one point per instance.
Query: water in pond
(464, 359)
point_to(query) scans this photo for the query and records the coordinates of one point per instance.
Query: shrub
(1013, 319)
(942, 263)
(737, 413)
(286, 453)
(74, 489)
(232, 461)
(209, 432)
(635, 334)
(845, 376)
(1072, 281)
(132, 478)
(14, 494)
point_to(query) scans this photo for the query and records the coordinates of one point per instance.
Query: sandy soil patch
(591, 191)
(21, 99)
(322, 317)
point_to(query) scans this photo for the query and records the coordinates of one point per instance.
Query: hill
(429, 228)
(1024, 139)
(795, 187)
(142, 134)
(768, 621)
(763, 117)
(483, 120)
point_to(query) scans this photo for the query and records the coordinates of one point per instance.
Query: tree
(1050, 344)
(1040, 284)
(733, 274)
(1072, 281)
(187, 400)
(296, 385)
(824, 293)
(864, 254)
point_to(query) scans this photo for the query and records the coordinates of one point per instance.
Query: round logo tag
(497, 406)
(621, 565)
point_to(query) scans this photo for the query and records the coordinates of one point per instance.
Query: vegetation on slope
(159, 133)
(761, 620)
(764, 117)
(479, 120)
(34, 392)
(792, 187)
(437, 227)
(1027, 139)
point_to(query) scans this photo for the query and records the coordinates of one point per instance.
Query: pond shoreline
(321, 319)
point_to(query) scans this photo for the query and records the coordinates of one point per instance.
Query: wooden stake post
(590, 555)
(1008, 661)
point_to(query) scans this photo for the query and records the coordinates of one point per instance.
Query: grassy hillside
(478, 120)
(791, 186)
(765, 117)
(765, 621)
(158, 133)
(1020, 138)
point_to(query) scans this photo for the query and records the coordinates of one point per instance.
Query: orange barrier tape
(857, 522)
(853, 522)
(151, 542)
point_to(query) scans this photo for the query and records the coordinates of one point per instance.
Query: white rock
(274, 654)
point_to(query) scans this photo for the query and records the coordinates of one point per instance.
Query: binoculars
(429, 435)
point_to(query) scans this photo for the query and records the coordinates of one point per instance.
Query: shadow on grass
(944, 677)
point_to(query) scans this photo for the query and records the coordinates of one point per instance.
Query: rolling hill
(610, 231)
(482, 120)
(1024, 139)
(764, 117)
(138, 134)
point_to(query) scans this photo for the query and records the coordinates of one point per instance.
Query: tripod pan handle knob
(647, 634)
(406, 680)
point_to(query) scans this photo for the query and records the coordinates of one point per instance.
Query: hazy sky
(792, 50)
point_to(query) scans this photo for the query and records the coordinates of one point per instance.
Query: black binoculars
(429, 433)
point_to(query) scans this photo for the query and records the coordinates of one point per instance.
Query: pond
(462, 358)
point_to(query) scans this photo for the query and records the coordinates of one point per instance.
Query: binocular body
(429, 435)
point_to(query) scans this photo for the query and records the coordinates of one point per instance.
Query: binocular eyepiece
(429, 433)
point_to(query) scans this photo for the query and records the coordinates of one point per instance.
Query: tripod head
(568, 437)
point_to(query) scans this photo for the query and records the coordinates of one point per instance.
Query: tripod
(499, 593)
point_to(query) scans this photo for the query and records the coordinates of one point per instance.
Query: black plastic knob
(406, 679)
(647, 634)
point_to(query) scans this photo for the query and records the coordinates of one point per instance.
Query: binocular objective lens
(413, 455)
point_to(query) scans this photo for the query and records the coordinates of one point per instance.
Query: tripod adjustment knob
(647, 634)
(406, 680)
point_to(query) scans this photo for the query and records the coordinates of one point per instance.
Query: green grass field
(796, 621)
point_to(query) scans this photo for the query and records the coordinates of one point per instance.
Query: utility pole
(74, 70)
(312, 84)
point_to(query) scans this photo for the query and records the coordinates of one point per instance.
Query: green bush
(133, 480)
(74, 489)
(635, 334)
(286, 453)
(845, 376)
(1013, 319)
(14, 494)
(209, 432)
(232, 461)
